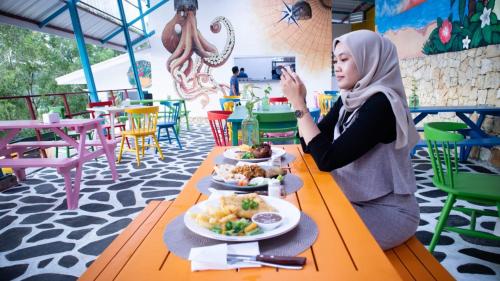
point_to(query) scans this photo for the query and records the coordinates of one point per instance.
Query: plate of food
(241, 218)
(256, 153)
(245, 176)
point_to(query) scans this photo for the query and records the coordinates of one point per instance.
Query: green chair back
(277, 126)
(442, 139)
(445, 160)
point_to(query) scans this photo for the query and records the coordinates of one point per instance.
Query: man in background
(234, 87)
(242, 73)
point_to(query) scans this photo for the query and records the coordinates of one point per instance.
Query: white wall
(250, 41)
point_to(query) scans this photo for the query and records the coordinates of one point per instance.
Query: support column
(82, 50)
(130, 48)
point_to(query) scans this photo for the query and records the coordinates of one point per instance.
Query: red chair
(107, 127)
(219, 126)
(278, 100)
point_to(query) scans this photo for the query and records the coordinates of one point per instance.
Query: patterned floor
(41, 240)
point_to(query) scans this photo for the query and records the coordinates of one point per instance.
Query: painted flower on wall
(445, 32)
(476, 26)
(485, 17)
(144, 72)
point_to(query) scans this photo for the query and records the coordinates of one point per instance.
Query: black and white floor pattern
(41, 240)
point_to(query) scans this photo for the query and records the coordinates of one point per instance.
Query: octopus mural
(192, 55)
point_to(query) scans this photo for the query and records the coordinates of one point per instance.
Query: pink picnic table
(63, 165)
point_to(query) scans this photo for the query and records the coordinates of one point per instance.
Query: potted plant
(250, 125)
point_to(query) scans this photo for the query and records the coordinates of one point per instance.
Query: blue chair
(169, 120)
(332, 93)
(315, 113)
(228, 103)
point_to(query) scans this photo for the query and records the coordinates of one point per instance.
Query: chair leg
(157, 144)
(137, 154)
(177, 138)
(143, 146)
(168, 135)
(445, 212)
(121, 150)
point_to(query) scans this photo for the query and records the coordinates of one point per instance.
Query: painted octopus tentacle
(188, 50)
(219, 59)
(179, 50)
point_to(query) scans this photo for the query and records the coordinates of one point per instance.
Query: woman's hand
(293, 88)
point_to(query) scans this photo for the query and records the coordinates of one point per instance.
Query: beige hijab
(377, 62)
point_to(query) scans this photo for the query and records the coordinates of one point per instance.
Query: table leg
(235, 128)
(110, 153)
(419, 117)
(112, 123)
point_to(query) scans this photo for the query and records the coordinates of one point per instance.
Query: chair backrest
(99, 104)
(277, 121)
(218, 124)
(332, 93)
(172, 114)
(315, 113)
(278, 100)
(143, 119)
(326, 102)
(444, 160)
(227, 104)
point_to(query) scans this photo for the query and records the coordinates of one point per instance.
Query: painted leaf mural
(476, 26)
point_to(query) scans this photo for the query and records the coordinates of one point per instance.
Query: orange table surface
(344, 250)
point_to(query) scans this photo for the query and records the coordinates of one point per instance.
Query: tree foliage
(29, 63)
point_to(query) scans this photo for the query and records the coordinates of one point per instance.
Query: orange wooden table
(344, 250)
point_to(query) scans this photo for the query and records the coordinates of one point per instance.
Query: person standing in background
(234, 87)
(242, 73)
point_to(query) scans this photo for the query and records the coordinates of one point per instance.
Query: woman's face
(346, 71)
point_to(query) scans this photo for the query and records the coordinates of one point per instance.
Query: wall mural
(428, 27)
(192, 55)
(144, 69)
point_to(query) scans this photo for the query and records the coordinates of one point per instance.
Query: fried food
(262, 150)
(246, 205)
(249, 171)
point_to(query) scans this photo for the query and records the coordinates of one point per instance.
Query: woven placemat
(179, 239)
(291, 183)
(285, 160)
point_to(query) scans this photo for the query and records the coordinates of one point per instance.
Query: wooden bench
(411, 260)
(414, 262)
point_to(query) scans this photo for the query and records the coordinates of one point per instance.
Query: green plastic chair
(473, 187)
(276, 127)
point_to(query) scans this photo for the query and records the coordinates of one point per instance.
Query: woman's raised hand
(293, 88)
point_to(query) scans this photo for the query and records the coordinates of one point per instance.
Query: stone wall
(469, 77)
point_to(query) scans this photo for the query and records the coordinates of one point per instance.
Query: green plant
(478, 27)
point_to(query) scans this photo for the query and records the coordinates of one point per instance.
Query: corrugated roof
(96, 22)
(341, 9)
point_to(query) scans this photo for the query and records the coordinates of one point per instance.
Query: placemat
(291, 182)
(179, 239)
(285, 160)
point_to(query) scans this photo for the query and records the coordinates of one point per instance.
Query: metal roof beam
(142, 38)
(82, 49)
(130, 49)
(127, 25)
(54, 15)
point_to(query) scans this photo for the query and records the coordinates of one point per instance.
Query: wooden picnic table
(476, 135)
(344, 249)
(63, 165)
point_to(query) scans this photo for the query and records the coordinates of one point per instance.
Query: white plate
(232, 154)
(290, 214)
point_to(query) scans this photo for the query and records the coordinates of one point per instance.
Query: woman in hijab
(365, 139)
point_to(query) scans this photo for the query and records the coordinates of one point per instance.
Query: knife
(236, 260)
(279, 260)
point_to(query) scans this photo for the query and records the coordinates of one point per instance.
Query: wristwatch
(299, 113)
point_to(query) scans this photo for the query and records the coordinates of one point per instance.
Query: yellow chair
(143, 123)
(326, 102)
